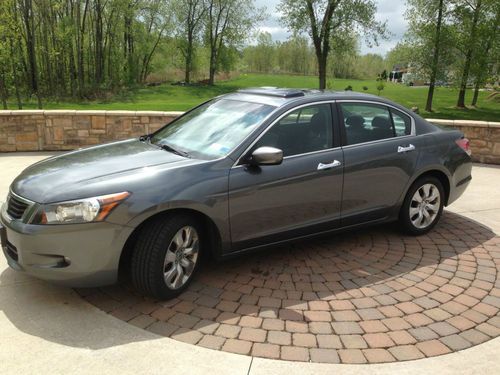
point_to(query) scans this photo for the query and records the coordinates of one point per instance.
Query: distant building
(396, 75)
(405, 74)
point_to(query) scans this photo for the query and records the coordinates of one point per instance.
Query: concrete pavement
(50, 329)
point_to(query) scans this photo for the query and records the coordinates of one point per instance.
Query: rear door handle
(335, 163)
(408, 148)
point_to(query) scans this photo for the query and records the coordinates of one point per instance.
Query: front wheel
(166, 256)
(422, 206)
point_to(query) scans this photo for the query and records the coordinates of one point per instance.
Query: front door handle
(408, 148)
(335, 163)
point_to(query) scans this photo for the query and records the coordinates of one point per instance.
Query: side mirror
(267, 156)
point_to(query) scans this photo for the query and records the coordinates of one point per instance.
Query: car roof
(279, 97)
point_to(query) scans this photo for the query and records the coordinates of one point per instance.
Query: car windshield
(213, 129)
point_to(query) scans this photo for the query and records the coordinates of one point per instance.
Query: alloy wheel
(181, 257)
(425, 205)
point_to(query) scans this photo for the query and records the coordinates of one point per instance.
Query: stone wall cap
(441, 121)
(23, 112)
(89, 112)
(121, 113)
(159, 113)
(466, 123)
(61, 112)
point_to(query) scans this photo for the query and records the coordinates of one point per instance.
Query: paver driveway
(364, 296)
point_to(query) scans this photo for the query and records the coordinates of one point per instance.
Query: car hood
(51, 179)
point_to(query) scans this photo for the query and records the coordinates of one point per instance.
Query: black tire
(148, 257)
(405, 220)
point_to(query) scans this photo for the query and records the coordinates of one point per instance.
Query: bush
(380, 87)
(348, 88)
(365, 88)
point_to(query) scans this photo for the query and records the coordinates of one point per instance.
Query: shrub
(348, 88)
(365, 88)
(380, 87)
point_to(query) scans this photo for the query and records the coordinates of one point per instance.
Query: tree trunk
(14, 74)
(213, 68)
(435, 59)
(3, 89)
(80, 39)
(322, 71)
(28, 18)
(476, 92)
(468, 57)
(189, 58)
(99, 48)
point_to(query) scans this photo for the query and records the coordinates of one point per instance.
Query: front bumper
(76, 255)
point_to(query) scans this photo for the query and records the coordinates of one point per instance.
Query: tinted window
(304, 130)
(402, 123)
(366, 122)
(213, 129)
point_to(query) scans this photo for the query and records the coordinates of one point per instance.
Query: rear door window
(365, 122)
(402, 123)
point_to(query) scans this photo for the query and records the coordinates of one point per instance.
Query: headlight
(78, 211)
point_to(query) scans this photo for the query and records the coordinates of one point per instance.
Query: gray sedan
(235, 174)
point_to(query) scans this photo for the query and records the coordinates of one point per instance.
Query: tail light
(464, 144)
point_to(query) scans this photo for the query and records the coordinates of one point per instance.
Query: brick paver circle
(360, 297)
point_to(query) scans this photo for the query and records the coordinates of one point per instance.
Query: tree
(26, 8)
(228, 23)
(296, 55)
(189, 16)
(261, 57)
(321, 19)
(486, 60)
(426, 28)
(469, 13)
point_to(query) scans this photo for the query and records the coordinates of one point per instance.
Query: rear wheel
(422, 206)
(166, 256)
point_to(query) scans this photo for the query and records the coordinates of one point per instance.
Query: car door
(301, 195)
(380, 154)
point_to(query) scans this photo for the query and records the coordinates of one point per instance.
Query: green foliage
(348, 88)
(365, 88)
(380, 87)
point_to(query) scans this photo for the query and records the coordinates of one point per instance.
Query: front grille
(16, 207)
(12, 251)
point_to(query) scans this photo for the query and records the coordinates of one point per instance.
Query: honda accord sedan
(238, 173)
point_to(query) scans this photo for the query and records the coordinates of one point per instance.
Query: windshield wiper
(174, 150)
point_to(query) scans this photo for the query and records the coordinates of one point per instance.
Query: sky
(391, 11)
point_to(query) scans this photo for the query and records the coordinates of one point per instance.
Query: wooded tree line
(297, 56)
(77, 47)
(85, 48)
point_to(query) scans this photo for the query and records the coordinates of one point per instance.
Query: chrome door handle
(406, 149)
(335, 163)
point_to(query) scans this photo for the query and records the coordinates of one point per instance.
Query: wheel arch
(210, 230)
(436, 172)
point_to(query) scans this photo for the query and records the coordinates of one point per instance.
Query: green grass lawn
(175, 98)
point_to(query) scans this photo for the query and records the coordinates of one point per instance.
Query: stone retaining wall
(55, 130)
